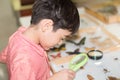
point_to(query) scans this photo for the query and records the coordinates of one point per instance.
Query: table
(99, 69)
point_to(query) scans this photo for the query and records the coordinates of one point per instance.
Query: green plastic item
(78, 61)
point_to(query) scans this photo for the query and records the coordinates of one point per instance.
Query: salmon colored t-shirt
(25, 59)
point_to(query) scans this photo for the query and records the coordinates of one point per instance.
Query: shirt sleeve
(21, 68)
(3, 55)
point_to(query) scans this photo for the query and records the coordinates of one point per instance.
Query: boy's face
(52, 38)
(47, 37)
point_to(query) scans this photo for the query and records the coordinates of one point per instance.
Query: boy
(25, 54)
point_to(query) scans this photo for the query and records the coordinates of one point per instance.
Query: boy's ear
(46, 24)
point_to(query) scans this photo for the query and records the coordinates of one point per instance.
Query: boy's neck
(30, 34)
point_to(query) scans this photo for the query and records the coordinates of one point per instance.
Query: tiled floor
(7, 27)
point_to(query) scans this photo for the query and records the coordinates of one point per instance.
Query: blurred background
(14, 13)
(7, 27)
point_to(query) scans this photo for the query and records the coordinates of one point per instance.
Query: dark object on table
(116, 59)
(95, 54)
(76, 51)
(81, 42)
(105, 70)
(90, 77)
(112, 78)
(61, 47)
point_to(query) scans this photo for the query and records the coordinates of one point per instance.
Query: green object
(78, 61)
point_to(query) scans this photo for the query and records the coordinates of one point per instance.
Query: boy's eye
(62, 39)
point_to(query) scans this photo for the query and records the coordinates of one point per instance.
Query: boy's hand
(66, 74)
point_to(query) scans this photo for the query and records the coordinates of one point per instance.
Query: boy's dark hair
(63, 13)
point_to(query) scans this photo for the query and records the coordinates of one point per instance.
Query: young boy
(25, 55)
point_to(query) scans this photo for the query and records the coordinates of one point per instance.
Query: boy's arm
(21, 68)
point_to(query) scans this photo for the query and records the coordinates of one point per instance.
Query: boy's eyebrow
(68, 35)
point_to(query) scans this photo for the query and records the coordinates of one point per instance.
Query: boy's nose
(61, 41)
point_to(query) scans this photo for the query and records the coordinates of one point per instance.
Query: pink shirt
(25, 60)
